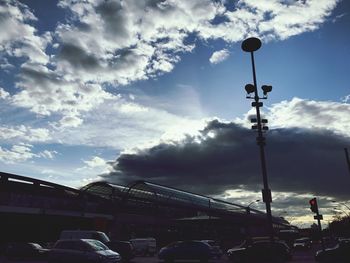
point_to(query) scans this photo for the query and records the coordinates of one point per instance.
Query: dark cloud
(38, 77)
(114, 17)
(225, 156)
(78, 57)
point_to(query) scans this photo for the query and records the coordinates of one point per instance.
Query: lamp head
(266, 89)
(251, 44)
(249, 88)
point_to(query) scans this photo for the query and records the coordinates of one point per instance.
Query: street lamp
(250, 45)
(248, 206)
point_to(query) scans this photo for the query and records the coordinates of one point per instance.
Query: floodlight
(266, 89)
(249, 88)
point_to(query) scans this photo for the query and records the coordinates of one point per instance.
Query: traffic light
(313, 205)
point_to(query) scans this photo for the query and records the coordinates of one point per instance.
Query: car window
(96, 245)
(101, 237)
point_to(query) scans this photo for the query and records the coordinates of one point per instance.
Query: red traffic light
(313, 205)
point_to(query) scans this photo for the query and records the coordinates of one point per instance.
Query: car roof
(77, 239)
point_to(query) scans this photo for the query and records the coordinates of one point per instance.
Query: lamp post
(347, 158)
(250, 45)
(248, 206)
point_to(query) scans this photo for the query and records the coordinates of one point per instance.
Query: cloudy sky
(154, 90)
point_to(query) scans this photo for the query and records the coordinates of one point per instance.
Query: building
(36, 210)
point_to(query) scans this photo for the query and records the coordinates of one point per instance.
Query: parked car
(144, 246)
(340, 239)
(339, 253)
(85, 234)
(302, 243)
(261, 251)
(215, 248)
(124, 248)
(25, 250)
(82, 250)
(186, 250)
(288, 236)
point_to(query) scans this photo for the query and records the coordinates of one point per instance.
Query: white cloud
(335, 19)
(96, 162)
(119, 124)
(19, 38)
(110, 43)
(24, 133)
(23, 152)
(311, 114)
(70, 121)
(48, 154)
(96, 165)
(308, 114)
(45, 92)
(5, 65)
(4, 94)
(289, 19)
(346, 99)
(219, 56)
(17, 153)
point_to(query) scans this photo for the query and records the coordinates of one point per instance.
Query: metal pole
(266, 192)
(347, 158)
(320, 229)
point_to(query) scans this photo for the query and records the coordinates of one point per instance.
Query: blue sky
(84, 83)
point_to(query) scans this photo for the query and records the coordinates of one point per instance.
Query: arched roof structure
(151, 194)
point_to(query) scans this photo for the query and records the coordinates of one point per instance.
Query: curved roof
(148, 192)
(142, 194)
(105, 189)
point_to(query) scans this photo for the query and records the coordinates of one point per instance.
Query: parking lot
(300, 256)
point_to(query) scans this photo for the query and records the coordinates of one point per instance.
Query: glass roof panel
(175, 196)
(139, 190)
(99, 188)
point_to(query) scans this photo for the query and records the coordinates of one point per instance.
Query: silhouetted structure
(32, 209)
(250, 45)
(347, 158)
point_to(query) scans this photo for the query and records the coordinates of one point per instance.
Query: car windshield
(34, 245)
(96, 245)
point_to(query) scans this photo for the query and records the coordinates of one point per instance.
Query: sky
(154, 90)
